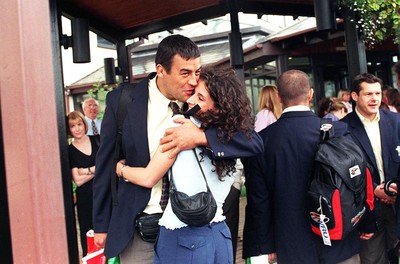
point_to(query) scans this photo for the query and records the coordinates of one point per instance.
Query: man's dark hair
(172, 45)
(364, 77)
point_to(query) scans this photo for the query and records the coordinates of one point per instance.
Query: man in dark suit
(277, 182)
(377, 132)
(177, 71)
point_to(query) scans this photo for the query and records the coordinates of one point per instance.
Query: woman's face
(201, 97)
(77, 128)
(346, 97)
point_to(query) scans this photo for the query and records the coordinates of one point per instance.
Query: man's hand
(366, 236)
(183, 137)
(272, 258)
(380, 193)
(100, 239)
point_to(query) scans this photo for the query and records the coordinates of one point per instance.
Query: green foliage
(99, 92)
(376, 19)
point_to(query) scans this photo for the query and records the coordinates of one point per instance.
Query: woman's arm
(82, 175)
(149, 176)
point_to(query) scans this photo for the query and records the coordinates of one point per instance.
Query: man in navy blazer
(277, 182)
(377, 132)
(178, 67)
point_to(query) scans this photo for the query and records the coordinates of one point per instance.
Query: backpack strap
(326, 129)
(121, 114)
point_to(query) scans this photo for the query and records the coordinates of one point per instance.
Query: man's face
(180, 82)
(91, 109)
(368, 100)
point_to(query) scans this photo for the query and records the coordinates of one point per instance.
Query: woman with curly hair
(225, 106)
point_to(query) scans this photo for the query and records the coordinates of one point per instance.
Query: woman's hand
(119, 167)
(83, 171)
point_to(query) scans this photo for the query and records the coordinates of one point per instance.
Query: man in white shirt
(148, 114)
(377, 133)
(91, 110)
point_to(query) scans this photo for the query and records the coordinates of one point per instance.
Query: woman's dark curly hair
(234, 113)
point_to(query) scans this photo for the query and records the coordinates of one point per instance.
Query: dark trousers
(375, 250)
(231, 212)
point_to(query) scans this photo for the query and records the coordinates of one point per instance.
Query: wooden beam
(28, 113)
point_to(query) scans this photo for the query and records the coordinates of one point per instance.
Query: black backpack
(341, 191)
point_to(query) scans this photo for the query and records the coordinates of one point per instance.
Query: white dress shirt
(89, 123)
(158, 120)
(374, 135)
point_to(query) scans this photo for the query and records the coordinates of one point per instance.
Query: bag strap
(201, 168)
(121, 114)
(187, 115)
(326, 129)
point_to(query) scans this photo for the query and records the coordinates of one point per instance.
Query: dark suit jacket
(389, 126)
(118, 221)
(277, 182)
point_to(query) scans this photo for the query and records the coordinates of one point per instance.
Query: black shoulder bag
(196, 210)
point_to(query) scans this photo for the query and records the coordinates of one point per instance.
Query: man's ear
(354, 96)
(310, 94)
(160, 71)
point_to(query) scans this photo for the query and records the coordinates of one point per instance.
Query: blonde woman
(82, 154)
(344, 97)
(269, 107)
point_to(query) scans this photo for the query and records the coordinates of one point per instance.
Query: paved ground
(242, 206)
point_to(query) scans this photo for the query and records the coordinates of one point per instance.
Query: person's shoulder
(115, 92)
(340, 128)
(270, 129)
(94, 137)
(349, 117)
(260, 112)
(329, 115)
(71, 149)
(390, 114)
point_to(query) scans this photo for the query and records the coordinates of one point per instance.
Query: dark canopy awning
(126, 19)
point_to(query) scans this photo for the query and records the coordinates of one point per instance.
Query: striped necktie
(94, 128)
(175, 108)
